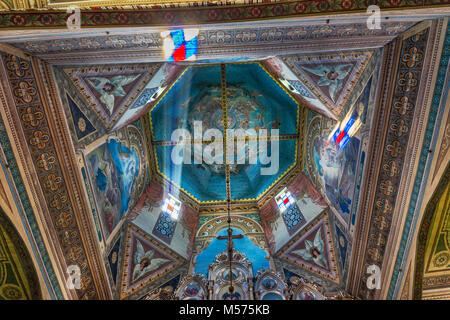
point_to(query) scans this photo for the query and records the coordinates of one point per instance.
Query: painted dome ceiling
(126, 121)
(244, 95)
(320, 142)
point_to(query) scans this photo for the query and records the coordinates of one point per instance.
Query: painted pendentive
(117, 170)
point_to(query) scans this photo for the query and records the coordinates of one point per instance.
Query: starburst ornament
(111, 88)
(331, 77)
(314, 251)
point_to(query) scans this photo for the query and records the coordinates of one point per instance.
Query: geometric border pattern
(29, 217)
(158, 16)
(211, 38)
(405, 95)
(29, 105)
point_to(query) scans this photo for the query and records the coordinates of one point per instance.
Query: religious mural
(110, 90)
(308, 204)
(337, 172)
(146, 260)
(192, 287)
(335, 167)
(117, 171)
(330, 77)
(270, 285)
(313, 249)
(252, 102)
(163, 77)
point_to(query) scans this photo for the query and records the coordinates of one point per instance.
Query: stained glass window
(172, 206)
(167, 220)
(180, 44)
(284, 200)
(345, 130)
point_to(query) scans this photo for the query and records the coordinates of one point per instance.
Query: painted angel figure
(111, 88)
(331, 76)
(314, 251)
(144, 261)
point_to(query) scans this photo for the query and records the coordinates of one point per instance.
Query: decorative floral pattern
(398, 134)
(203, 13)
(212, 38)
(32, 113)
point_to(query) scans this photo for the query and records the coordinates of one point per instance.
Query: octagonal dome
(244, 95)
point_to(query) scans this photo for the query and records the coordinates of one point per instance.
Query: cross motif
(229, 237)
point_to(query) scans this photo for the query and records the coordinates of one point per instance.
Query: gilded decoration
(410, 68)
(21, 78)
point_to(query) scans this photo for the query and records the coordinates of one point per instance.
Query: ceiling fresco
(330, 77)
(146, 259)
(254, 100)
(345, 123)
(313, 249)
(336, 171)
(123, 117)
(110, 90)
(142, 105)
(118, 174)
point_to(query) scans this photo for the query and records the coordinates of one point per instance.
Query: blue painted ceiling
(254, 100)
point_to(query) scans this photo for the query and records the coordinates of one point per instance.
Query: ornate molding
(428, 164)
(38, 119)
(66, 153)
(413, 151)
(40, 219)
(206, 13)
(373, 159)
(409, 104)
(253, 41)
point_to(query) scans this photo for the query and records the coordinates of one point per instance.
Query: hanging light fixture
(230, 248)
